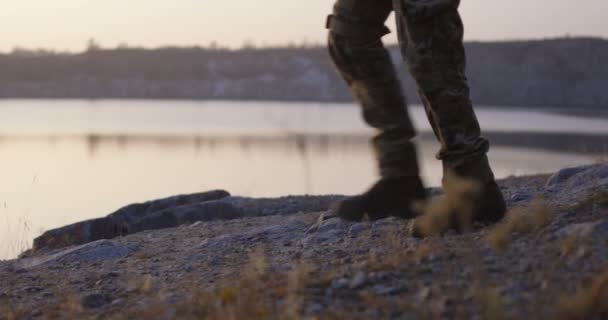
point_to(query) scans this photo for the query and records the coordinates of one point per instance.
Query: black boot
(487, 205)
(388, 197)
(490, 206)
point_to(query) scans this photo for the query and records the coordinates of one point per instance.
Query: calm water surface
(69, 160)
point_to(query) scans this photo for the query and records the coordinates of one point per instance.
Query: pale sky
(68, 24)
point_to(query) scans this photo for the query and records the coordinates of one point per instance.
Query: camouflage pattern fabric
(430, 35)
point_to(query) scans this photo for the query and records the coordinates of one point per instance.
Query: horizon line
(93, 45)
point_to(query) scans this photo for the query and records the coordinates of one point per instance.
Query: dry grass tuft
(595, 198)
(491, 301)
(588, 302)
(519, 220)
(454, 208)
(259, 293)
(9, 311)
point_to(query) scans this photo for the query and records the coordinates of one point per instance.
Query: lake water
(69, 160)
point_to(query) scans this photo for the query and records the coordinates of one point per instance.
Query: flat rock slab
(91, 252)
(130, 218)
(571, 183)
(175, 211)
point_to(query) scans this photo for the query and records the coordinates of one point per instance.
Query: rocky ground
(275, 258)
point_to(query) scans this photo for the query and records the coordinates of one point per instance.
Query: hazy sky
(67, 24)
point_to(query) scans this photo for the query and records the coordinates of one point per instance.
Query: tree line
(566, 72)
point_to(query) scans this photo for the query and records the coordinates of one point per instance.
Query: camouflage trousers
(431, 40)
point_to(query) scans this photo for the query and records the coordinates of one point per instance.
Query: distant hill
(568, 72)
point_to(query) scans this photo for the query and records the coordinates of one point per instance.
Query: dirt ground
(549, 259)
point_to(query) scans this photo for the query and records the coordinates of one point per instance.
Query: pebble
(339, 283)
(94, 301)
(356, 229)
(358, 281)
(385, 290)
(521, 196)
(314, 308)
(33, 289)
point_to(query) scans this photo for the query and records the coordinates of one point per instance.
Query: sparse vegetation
(519, 221)
(589, 302)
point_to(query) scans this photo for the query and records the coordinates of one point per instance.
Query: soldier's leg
(431, 34)
(356, 48)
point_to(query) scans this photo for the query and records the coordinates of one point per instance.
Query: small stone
(340, 283)
(358, 281)
(196, 224)
(314, 308)
(33, 289)
(521, 196)
(356, 229)
(36, 313)
(384, 290)
(94, 301)
(112, 274)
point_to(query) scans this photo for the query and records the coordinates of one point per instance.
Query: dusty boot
(388, 197)
(490, 206)
(484, 205)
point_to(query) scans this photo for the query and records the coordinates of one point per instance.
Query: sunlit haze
(68, 24)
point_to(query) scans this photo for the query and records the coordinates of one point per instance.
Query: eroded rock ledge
(172, 212)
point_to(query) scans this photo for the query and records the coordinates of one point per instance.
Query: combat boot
(388, 197)
(487, 204)
(490, 206)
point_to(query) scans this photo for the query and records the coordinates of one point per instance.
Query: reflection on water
(81, 161)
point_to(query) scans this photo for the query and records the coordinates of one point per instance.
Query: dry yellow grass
(490, 300)
(454, 208)
(519, 220)
(589, 302)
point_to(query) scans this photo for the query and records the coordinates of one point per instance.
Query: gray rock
(358, 281)
(94, 301)
(33, 289)
(314, 308)
(122, 221)
(91, 252)
(381, 289)
(564, 174)
(356, 229)
(593, 178)
(339, 283)
(186, 214)
(574, 182)
(282, 206)
(520, 196)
